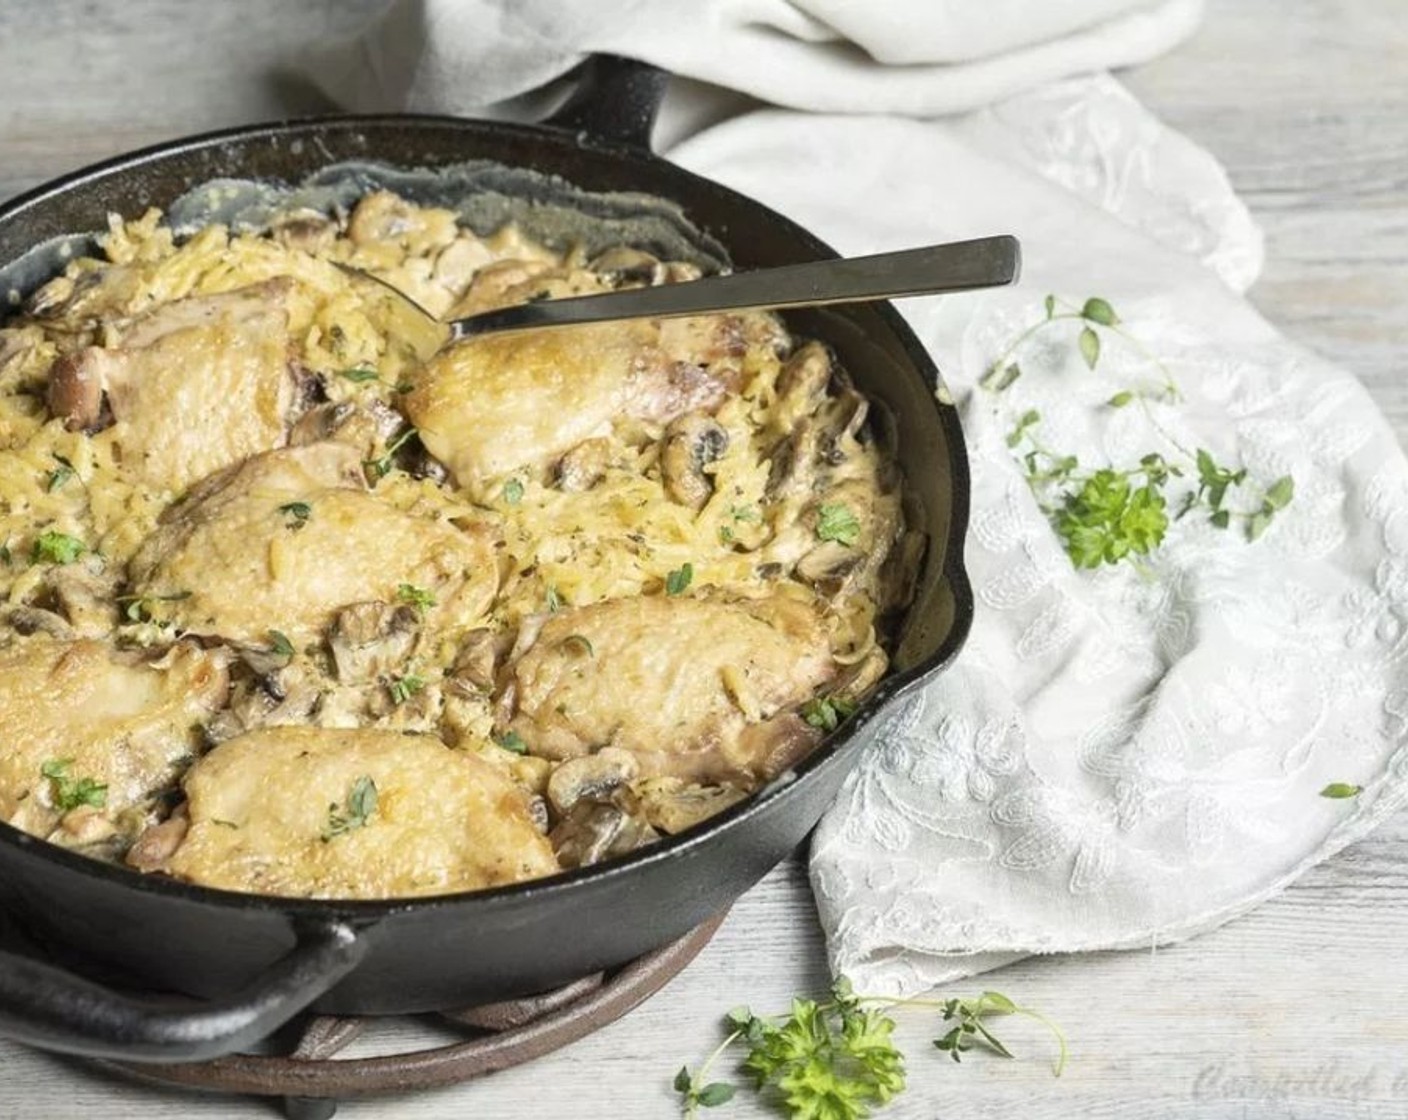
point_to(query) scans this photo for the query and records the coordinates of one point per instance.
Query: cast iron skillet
(246, 963)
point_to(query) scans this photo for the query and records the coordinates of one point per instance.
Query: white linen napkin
(1121, 756)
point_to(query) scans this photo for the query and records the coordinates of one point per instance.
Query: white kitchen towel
(1121, 756)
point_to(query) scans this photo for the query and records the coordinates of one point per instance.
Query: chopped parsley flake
(417, 597)
(297, 514)
(359, 374)
(837, 523)
(69, 793)
(511, 741)
(403, 688)
(57, 548)
(827, 712)
(679, 579)
(60, 474)
(279, 643)
(361, 804)
(513, 492)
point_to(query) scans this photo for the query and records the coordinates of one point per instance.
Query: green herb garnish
(381, 467)
(969, 1030)
(837, 523)
(836, 1060)
(57, 548)
(139, 607)
(361, 804)
(513, 492)
(358, 375)
(679, 579)
(554, 600)
(511, 741)
(1108, 519)
(417, 597)
(60, 474)
(279, 644)
(296, 514)
(70, 793)
(827, 712)
(697, 1096)
(1339, 791)
(404, 687)
(580, 643)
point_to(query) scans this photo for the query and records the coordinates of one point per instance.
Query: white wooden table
(1295, 1011)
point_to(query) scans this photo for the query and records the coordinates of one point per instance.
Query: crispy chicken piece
(287, 539)
(720, 676)
(499, 403)
(350, 814)
(194, 386)
(83, 711)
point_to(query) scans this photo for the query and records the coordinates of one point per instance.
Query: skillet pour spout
(249, 961)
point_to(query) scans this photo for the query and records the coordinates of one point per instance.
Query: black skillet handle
(44, 1006)
(616, 99)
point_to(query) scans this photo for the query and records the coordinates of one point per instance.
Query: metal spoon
(987, 262)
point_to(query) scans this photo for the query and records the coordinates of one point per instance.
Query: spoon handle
(988, 262)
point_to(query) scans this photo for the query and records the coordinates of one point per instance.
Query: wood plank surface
(1296, 1010)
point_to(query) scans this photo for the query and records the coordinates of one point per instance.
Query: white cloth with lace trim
(1119, 757)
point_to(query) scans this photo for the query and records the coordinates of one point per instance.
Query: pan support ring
(310, 1079)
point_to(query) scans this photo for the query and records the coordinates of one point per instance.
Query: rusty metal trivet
(311, 1080)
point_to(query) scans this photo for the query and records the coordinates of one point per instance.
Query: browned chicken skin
(357, 813)
(290, 537)
(192, 387)
(692, 687)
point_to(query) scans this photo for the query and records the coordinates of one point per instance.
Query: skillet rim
(363, 912)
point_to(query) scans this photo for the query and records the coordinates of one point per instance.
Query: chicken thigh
(286, 539)
(347, 814)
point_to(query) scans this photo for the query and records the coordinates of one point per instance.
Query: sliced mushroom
(794, 461)
(327, 421)
(624, 265)
(155, 846)
(594, 831)
(592, 777)
(459, 261)
(308, 230)
(584, 466)
(82, 827)
(33, 620)
(672, 805)
(827, 566)
(85, 595)
(777, 744)
(76, 384)
(284, 696)
(477, 662)
(50, 299)
(381, 216)
(369, 640)
(692, 443)
(803, 380)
